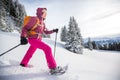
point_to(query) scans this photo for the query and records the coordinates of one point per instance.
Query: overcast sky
(94, 17)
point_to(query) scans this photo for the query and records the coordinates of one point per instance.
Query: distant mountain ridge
(114, 36)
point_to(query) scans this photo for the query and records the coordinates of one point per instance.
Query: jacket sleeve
(24, 32)
(46, 31)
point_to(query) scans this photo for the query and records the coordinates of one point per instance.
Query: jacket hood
(39, 12)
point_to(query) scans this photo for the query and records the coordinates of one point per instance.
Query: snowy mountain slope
(92, 65)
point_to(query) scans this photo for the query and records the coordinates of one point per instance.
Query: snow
(91, 65)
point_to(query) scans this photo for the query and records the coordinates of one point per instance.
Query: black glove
(55, 30)
(23, 41)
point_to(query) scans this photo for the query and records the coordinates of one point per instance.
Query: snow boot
(22, 65)
(29, 66)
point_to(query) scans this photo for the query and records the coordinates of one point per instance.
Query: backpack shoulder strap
(37, 23)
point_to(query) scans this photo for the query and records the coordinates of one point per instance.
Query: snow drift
(91, 65)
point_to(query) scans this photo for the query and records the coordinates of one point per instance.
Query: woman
(35, 40)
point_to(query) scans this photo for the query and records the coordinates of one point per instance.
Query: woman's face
(44, 13)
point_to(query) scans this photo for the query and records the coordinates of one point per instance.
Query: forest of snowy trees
(72, 37)
(103, 44)
(11, 15)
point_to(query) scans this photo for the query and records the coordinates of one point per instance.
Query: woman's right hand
(23, 41)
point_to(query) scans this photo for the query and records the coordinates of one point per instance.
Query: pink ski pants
(34, 44)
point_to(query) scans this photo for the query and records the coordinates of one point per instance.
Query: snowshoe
(58, 70)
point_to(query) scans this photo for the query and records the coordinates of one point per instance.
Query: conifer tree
(74, 38)
(90, 46)
(63, 36)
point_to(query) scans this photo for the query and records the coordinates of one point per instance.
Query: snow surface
(91, 65)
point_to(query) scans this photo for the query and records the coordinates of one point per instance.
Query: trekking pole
(55, 44)
(10, 49)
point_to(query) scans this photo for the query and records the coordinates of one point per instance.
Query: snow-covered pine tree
(90, 45)
(63, 35)
(74, 38)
